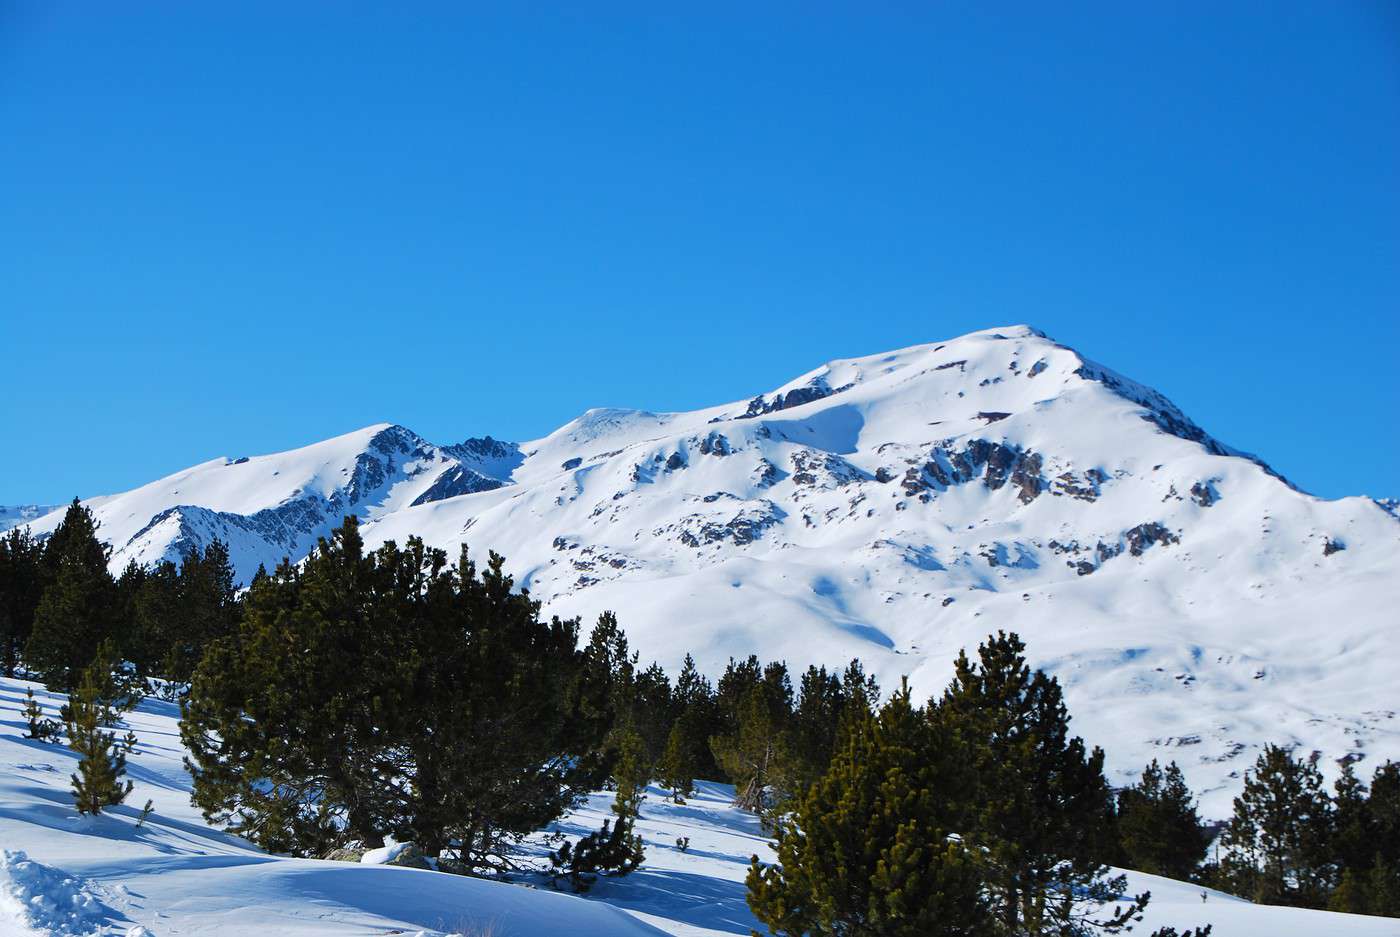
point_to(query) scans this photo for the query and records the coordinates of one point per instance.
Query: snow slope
(63, 874)
(18, 515)
(897, 508)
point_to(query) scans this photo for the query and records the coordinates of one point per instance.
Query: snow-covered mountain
(897, 508)
(17, 515)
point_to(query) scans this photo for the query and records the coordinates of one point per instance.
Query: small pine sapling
(98, 781)
(145, 813)
(615, 849)
(41, 728)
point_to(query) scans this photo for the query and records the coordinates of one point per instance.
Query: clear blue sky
(239, 228)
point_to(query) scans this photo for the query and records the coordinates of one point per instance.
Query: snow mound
(39, 899)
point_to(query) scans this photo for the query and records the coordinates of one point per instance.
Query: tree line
(364, 694)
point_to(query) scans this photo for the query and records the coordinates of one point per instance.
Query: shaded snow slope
(62, 874)
(897, 508)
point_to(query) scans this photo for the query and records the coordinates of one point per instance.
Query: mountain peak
(894, 507)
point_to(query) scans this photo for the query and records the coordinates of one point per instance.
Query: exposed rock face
(715, 444)
(1204, 494)
(996, 463)
(1143, 536)
(458, 480)
(1331, 546)
(741, 529)
(823, 470)
(796, 397)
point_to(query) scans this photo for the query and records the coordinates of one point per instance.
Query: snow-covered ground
(63, 874)
(897, 508)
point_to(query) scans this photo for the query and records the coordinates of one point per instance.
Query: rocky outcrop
(740, 529)
(458, 480)
(995, 463)
(818, 389)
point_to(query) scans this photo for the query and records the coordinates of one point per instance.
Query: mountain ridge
(895, 507)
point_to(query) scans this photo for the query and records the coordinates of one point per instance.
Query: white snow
(62, 874)
(718, 535)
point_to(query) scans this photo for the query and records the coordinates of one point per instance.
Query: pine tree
(424, 701)
(1159, 829)
(615, 849)
(78, 608)
(40, 727)
(1366, 843)
(101, 765)
(23, 577)
(681, 758)
(1038, 804)
(1277, 836)
(209, 609)
(754, 756)
(870, 850)
(694, 701)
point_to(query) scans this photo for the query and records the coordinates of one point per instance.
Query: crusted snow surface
(898, 508)
(63, 874)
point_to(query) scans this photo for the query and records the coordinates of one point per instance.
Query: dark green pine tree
(39, 727)
(870, 849)
(1158, 827)
(682, 757)
(755, 756)
(157, 618)
(1366, 843)
(1039, 806)
(101, 764)
(694, 701)
(23, 576)
(79, 607)
(298, 749)
(615, 849)
(1277, 838)
(209, 609)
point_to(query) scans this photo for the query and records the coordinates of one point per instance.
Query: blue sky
(239, 228)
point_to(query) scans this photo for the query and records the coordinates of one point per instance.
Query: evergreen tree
(365, 695)
(615, 849)
(870, 850)
(39, 727)
(78, 608)
(694, 703)
(815, 720)
(755, 755)
(294, 725)
(681, 758)
(209, 609)
(23, 576)
(1366, 843)
(101, 764)
(1038, 804)
(157, 618)
(1159, 829)
(1277, 837)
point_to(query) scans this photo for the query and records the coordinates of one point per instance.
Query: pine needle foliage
(101, 764)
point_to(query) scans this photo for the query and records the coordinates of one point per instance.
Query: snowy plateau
(896, 508)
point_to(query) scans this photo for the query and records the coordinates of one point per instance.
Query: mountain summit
(896, 508)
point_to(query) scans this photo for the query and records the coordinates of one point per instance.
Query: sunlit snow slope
(897, 508)
(62, 874)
